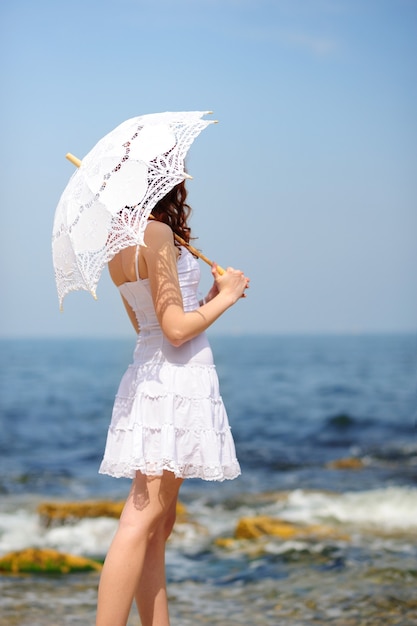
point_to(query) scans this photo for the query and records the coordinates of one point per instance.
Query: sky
(308, 182)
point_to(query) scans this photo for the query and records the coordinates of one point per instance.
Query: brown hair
(173, 210)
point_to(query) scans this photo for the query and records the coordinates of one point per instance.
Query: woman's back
(152, 344)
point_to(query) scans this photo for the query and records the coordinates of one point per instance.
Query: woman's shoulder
(158, 236)
(158, 230)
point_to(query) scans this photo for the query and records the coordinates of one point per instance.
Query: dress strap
(137, 263)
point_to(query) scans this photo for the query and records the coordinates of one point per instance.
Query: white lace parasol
(107, 202)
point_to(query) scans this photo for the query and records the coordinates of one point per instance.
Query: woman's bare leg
(147, 508)
(151, 593)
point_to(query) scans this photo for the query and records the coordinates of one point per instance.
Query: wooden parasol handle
(77, 162)
(74, 160)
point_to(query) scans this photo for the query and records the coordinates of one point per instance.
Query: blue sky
(308, 183)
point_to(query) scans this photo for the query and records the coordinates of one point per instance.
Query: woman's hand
(232, 282)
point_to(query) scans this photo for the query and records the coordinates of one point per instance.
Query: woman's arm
(177, 325)
(214, 290)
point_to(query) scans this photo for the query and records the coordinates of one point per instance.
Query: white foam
(89, 537)
(16, 529)
(24, 529)
(388, 509)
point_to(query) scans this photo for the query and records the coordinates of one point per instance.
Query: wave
(388, 510)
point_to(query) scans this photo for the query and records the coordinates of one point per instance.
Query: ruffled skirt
(170, 416)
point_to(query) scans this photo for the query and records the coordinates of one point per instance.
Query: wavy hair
(173, 210)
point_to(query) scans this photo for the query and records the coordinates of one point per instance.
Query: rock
(341, 420)
(254, 527)
(46, 561)
(55, 513)
(350, 463)
(62, 512)
(225, 542)
(265, 526)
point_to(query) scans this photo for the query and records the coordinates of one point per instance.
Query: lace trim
(169, 425)
(168, 395)
(157, 364)
(128, 469)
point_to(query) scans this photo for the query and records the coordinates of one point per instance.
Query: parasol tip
(212, 121)
(74, 160)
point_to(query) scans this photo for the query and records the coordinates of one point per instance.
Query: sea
(326, 435)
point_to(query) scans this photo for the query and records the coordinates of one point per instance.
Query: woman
(168, 422)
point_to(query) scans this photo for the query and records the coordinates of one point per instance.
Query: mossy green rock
(45, 561)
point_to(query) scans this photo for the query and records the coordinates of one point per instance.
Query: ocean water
(296, 404)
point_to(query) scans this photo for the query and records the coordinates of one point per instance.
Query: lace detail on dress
(156, 468)
(168, 412)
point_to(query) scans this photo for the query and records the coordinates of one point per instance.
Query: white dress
(168, 413)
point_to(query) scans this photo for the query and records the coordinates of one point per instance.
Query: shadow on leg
(139, 540)
(151, 594)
